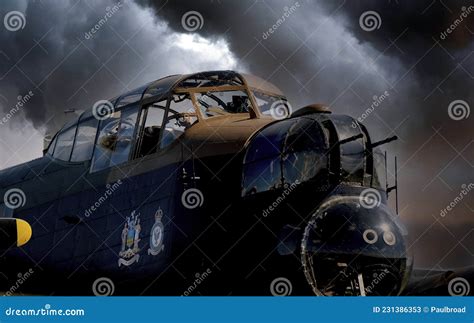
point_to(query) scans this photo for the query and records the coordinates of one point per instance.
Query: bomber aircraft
(207, 184)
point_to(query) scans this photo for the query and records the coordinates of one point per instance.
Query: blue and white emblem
(156, 235)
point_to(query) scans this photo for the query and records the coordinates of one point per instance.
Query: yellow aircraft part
(24, 232)
(14, 232)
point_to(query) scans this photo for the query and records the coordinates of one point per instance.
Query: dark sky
(319, 53)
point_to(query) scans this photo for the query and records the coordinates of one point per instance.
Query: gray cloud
(68, 67)
(65, 66)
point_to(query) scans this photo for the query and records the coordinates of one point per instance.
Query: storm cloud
(72, 53)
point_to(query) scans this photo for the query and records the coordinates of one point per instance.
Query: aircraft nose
(352, 248)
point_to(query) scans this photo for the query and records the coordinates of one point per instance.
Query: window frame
(52, 145)
(72, 145)
(138, 106)
(197, 104)
(254, 110)
(83, 119)
(141, 119)
(167, 108)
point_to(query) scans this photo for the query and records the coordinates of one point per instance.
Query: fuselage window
(125, 136)
(150, 137)
(84, 142)
(64, 143)
(181, 115)
(115, 139)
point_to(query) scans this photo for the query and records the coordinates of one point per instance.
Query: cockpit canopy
(150, 118)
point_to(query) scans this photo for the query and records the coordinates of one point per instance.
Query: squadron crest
(130, 239)
(156, 235)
